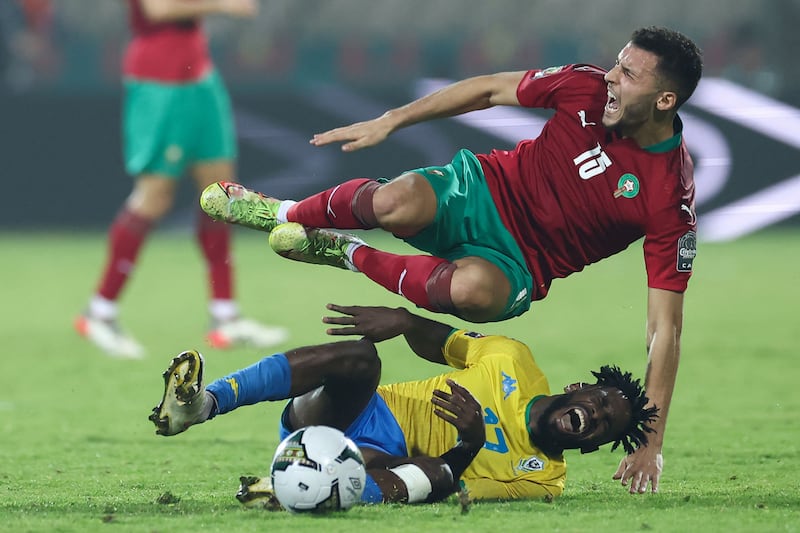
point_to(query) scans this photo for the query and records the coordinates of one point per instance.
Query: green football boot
(312, 245)
(233, 203)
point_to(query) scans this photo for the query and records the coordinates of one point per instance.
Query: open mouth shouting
(612, 105)
(574, 420)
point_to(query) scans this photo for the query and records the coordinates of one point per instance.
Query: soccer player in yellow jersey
(490, 425)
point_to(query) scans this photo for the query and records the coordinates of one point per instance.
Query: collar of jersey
(671, 143)
(528, 412)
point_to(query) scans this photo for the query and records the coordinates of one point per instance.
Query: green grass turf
(77, 452)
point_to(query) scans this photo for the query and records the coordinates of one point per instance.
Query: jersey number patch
(592, 162)
(492, 419)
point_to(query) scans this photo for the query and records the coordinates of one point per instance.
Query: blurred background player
(176, 118)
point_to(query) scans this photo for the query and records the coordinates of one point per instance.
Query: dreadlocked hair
(635, 435)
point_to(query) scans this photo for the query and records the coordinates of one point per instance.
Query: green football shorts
(167, 127)
(467, 224)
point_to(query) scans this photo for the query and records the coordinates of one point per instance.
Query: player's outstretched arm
(664, 323)
(425, 337)
(471, 94)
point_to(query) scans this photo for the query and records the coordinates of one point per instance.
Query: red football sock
(422, 279)
(125, 237)
(346, 206)
(215, 241)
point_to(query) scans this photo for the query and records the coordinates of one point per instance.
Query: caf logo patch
(687, 251)
(546, 72)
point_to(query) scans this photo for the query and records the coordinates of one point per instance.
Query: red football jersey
(578, 193)
(167, 51)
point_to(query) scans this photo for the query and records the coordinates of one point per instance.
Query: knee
(151, 202)
(479, 293)
(474, 302)
(362, 361)
(405, 205)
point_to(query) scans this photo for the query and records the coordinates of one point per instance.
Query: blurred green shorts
(167, 127)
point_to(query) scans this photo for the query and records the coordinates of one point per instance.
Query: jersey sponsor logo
(627, 186)
(530, 464)
(687, 251)
(547, 71)
(582, 116)
(474, 335)
(592, 162)
(509, 384)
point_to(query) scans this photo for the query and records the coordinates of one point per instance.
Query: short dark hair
(635, 435)
(679, 59)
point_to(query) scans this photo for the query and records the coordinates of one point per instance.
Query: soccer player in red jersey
(177, 119)
(609, 167)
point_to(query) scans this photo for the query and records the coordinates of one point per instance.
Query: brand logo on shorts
(173, 153)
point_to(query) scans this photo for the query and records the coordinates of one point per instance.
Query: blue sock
(372, 492)
(268, 379)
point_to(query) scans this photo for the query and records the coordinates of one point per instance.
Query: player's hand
(375, 323)
(641, 468)
(460, 408)
(356, 136)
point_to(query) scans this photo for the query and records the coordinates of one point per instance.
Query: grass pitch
(77, 452)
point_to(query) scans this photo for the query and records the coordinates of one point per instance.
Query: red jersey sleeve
(670, 243)
(550, 87)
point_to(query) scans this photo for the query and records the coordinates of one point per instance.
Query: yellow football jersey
(502, 375)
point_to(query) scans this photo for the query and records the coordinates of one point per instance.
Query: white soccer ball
(318, 469)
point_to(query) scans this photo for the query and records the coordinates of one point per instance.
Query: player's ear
(667, 100)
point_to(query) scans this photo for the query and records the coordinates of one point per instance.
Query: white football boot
(109, 337)
(185, 401)
(245, 332)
